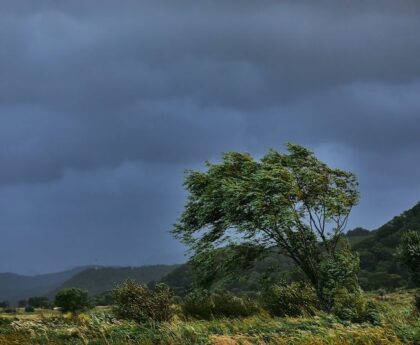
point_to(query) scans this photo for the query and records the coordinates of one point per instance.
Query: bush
(417, 301)
(198, 304)
(29, 309)
(290, 300)
(355, 307)
(202, 304)
(139, 303)
(10, 310)
(72, 299)
(228, 305)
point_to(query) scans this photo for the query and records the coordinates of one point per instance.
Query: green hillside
(379, 269)
(100, 279)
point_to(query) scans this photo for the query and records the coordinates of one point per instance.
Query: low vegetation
(100, 326)
(290, 300)
(201, 304)
(139, 303)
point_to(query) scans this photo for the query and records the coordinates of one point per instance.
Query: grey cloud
(104, 103)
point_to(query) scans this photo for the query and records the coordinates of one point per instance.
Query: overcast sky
(103, 104)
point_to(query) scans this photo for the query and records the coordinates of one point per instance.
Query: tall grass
(400, 326)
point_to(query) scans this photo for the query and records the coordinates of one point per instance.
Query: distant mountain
(14, 287)
(100, 279)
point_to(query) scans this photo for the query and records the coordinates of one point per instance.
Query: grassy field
(400, 325)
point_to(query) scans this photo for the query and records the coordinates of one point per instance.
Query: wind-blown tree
(291, 202)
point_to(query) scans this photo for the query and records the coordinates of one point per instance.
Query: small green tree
(72, 299)
(339, 272)
(408, 253)
(290, 202)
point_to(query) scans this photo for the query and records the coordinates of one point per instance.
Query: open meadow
(399, 324)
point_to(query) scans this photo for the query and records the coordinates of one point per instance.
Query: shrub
(137, 302)
(372, 313)
(290, 300)
(417, 301)
(202, 304)
(29, 309)
(228, 305)
(10, 310)
(355, 307)
(198, 304)
(72, 299)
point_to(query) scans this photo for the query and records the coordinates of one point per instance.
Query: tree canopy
(72, 299)
(292, 202)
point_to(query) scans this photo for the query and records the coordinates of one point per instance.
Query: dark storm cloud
(104, 103)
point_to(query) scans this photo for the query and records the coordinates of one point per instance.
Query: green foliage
(292, 202)
(180, 279)
(339, 272)
(379, 266)
(98, 327)
(198, 304)
(29, 309)
(417, 301)
(355, 307)
(295, 299)
(358, 232)
(139, 303)
(103, 299)
(72, 299)
(409, 254)
(378, 262)
(39, 302)
(201, 304)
